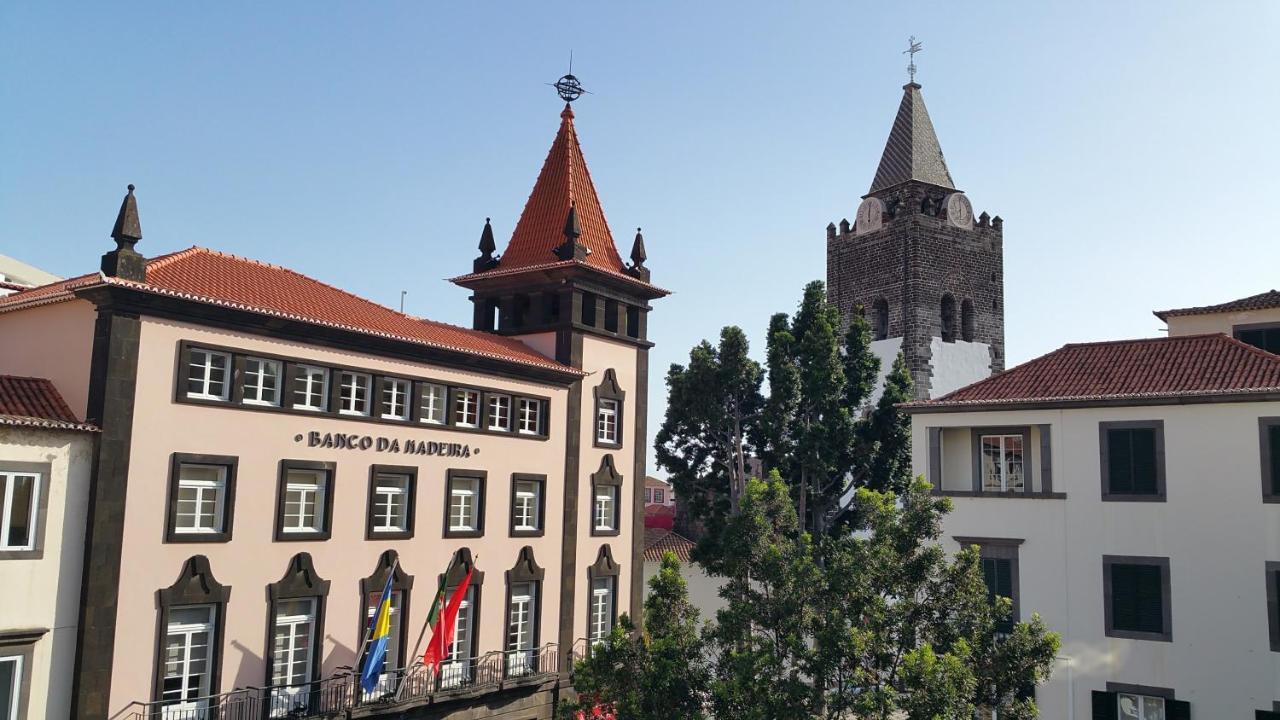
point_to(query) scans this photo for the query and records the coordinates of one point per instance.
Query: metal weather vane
(913, 47)
(568, 87)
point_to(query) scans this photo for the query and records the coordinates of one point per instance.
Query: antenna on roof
(402, 294)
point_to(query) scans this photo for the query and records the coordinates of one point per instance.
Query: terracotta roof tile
(35, 402)
(658, 541)
(1188, 366)
(228, 280)
(1261, 301)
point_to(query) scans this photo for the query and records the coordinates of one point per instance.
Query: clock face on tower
(959, 211)
(870, 216)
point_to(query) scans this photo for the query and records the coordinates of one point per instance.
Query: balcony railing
(335, 695)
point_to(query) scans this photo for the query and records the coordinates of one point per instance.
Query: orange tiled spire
(564, 183)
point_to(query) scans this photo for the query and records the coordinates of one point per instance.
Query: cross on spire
(913, 47)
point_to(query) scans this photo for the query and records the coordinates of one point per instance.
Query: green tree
(656, 675)
(884, 435)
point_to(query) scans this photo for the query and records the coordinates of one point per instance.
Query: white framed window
(456, 670)
(525, 505)
(500, 412)
(601, 609)
(202, 493)
(207, 374)
(353, 393)
(386, 681)
(520, 628)
(607, 421)
(648, 495)
(390, 503)
(659, 496)
(432, 403)
(530, 416)
(1002, 467)
(292, 650)
(304, 500)
(19, 509)
(310, 388)
(606, 507)
(11, 670)
(466, 407)
(464, 504)
(188, 649)
(395, 398)
(261, 381)
(1140, 707)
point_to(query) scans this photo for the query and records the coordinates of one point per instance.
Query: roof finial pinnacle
(913, 47)
(127, 230)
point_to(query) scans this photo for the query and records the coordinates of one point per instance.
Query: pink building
(272, 447)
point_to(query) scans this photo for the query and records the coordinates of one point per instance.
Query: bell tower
(927, 273)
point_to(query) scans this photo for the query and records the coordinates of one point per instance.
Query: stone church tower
(927, 273)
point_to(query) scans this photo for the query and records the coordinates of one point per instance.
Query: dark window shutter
(1144, 461)
(1177, 710)
(1104, 706)
(1256, 338)
(1266, 715)
(1119, 461)
(1124, 611)
(1150, 599)
(1274, 441)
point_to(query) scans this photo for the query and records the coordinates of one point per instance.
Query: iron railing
(335, 695)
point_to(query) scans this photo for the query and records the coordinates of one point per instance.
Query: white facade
(1212, 526)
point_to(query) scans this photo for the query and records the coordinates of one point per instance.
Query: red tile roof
(227, 280)
(658, 541)
(35, 402)
(1155, 368)
(1261, 301)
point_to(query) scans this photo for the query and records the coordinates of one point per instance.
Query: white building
(45, 458)
(704, 589)
(1129, 493)
(16, 275)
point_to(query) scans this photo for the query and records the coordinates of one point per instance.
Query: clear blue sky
(1131, 147)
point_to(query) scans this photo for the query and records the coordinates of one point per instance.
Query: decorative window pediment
(300, 580)
(195, 585)
(526, 568)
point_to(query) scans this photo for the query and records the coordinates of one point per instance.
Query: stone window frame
(1174, 709)
(195, 585)
(482, 485)
(44, 488)
(525, 570)
(608, 389)
(231, 464)
(402, 583)
(460, 560)
(22, 644)
(299, 582)
(1000, 549)
(1028, 457)
(607, 475)
(326, 530)
(411, 501)
(1166, 596)
(541, 481)
(1104, 457)
(603, 567)
(1268, 461)
(880, 318)
(1273, 604)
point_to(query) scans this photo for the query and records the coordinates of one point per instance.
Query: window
(948, 318)
(292, 650)
(465, 505)
(1138, 702)
(659, 496)
(431, 409)
(390, 502)
(588, 309)
(607, 422)
(466, 408)
(305, 504)
(526, 504)
(648, 495)
(1269, 435)
(11, 669)
(1273, 603)
(968, 321)
(188, 649)
(395, 399)
(1131, 706)
(19, 509)
(1132, 460)
(601, 609)
(261, 381)
(999, 559)
(520, 620)
(606, 508)
(880, 319)
(1264, 337)
(1002, 463)
(207, 374)
(310, 388)
(456, 670)
(500, 412)
(530, 416)
(201, 497)
(353, 393)
(1137, 597)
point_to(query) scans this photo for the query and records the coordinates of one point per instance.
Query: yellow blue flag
(375, 656)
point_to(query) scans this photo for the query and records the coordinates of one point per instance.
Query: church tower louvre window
(917, 247)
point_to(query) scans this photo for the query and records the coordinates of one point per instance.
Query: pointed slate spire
(912, 151)
(571, 249)
(124, 262)
(638, 256)
(487, 246)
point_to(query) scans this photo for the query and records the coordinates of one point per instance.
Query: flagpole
(423, 633)
(368, 631)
